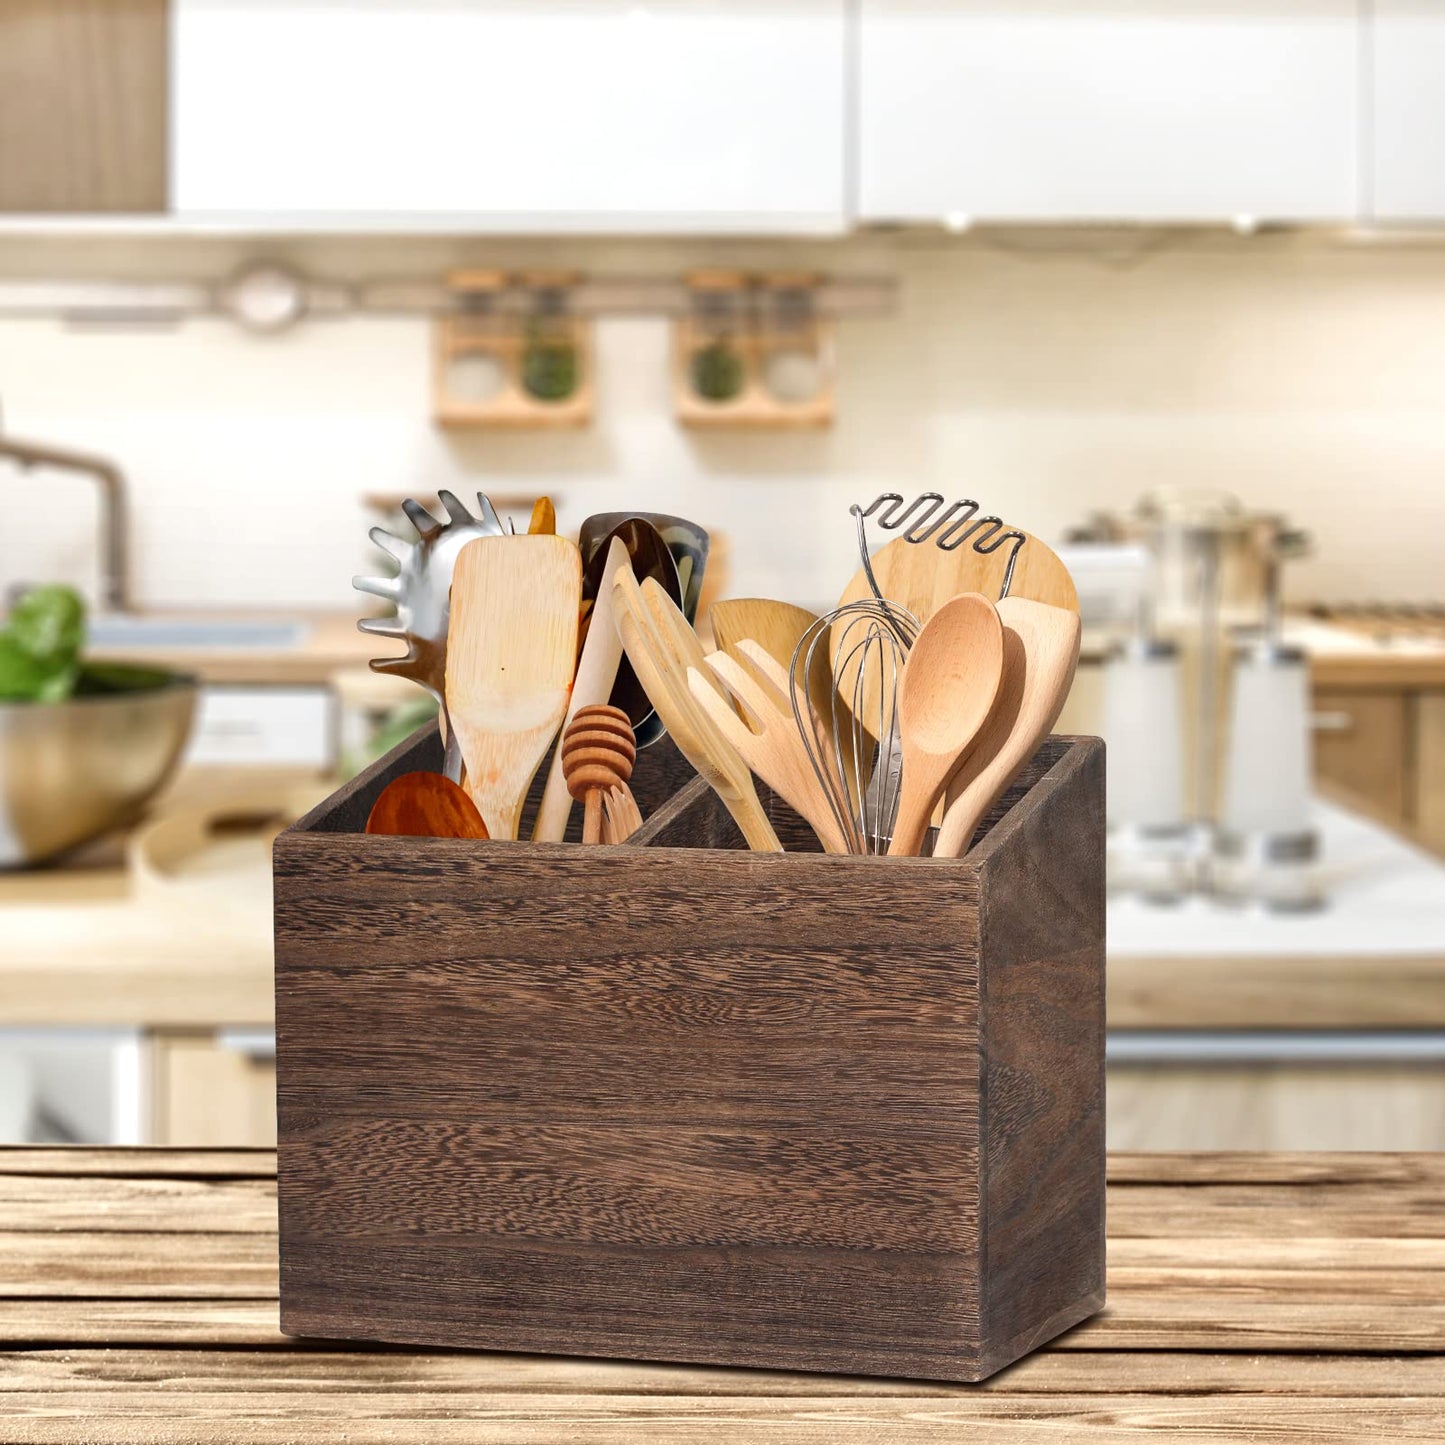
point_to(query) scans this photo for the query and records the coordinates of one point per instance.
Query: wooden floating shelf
(744, 344)
(539, 354)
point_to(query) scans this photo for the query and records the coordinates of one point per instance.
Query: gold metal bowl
(73, 770)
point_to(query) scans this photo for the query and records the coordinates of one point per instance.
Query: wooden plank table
(1251, 1297)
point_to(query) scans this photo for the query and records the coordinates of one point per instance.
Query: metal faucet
(115, 581)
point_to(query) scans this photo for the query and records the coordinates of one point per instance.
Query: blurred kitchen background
(1161, 282)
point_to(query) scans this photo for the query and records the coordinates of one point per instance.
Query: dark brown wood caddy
(679, 1101)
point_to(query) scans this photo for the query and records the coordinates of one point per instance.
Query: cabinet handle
(1332, 722)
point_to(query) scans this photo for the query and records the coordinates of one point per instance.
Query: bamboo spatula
(662, 647)
(767, 739)
(511, 654)
(1041, 651)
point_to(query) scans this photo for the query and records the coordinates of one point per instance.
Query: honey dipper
(598, 751)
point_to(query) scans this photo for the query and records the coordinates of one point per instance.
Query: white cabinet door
(1407, 160)
(1167, 110)
(512, 115)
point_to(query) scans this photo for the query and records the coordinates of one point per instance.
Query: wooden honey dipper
(598, 751)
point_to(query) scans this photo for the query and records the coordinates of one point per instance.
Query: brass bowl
(71, 771)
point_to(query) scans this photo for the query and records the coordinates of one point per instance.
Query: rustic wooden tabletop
(1251, 1297)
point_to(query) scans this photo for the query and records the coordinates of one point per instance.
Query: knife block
(678, 1101)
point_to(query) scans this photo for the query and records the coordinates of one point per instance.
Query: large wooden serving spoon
(425, 805)
(511, 655)
(1041, 651)
(949, 686)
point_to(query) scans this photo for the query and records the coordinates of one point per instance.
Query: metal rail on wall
(266, 297)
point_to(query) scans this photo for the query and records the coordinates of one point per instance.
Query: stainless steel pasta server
(420, 592)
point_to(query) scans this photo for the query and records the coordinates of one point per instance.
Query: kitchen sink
(119, 631)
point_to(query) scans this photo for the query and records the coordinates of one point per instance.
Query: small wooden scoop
(949, 686)
(425, 805)
(511, 653)
(598, 751)
(1041, 651)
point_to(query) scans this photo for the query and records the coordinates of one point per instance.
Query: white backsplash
(1045, 375)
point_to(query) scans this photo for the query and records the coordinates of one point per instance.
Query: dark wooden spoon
(425, 805)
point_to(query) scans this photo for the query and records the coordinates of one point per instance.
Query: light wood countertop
(87, 944)
(1251, 1297)
(331, 644)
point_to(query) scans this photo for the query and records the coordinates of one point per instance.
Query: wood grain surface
(666, 1103)
(83, 105)
(1251, 1298)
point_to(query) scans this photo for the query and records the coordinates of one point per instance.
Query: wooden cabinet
(1430, 770)
(1163, 110)
(1264, 1106)
(506, 115)
(1361, 741)
(1382, 748)
(83, 105)
(212, 1090)
(1407, 131)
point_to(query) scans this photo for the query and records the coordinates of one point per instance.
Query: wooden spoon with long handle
(766, 736)
(425, 805)
(511, 655)
(949, 685)
(1041, 651)
(596, 672)
(652, 633)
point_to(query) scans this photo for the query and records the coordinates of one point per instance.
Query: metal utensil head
(856, 738)
(688, 543)
(956, 525)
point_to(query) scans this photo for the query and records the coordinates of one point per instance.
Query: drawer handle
(1332, 722)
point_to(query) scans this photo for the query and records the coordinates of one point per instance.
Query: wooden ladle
(949, 685)
(425, 805)
(598, 752)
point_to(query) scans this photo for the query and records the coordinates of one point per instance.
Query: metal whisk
(854, 749)
(957, 524)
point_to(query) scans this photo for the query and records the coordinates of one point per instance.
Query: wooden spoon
(1041, 651)
(949, 685)
(511, 654)
(598, 751)
(425, 805)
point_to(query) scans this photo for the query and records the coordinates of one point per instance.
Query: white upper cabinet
(1407, 171)
(1152, 110)
(512, 115)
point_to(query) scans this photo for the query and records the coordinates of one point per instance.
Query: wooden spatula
(766, 736)
(425, 805)
(511, 653)
(950, 683)
(662, 648)
(1041, 651)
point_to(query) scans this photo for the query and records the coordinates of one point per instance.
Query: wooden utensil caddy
(679, 1101)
